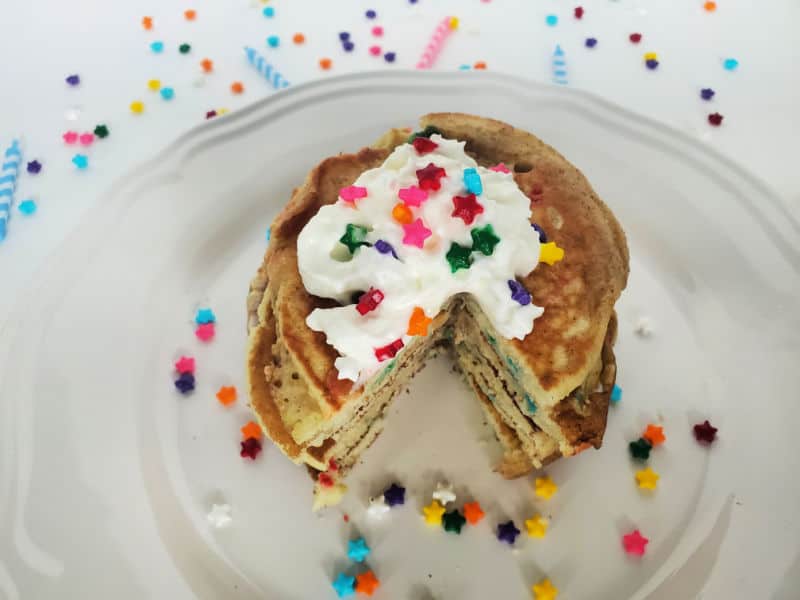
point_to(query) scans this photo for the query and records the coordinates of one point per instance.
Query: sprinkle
(377, 31)
(444, 493)
(27, 207)
(647, 479)
(185, 364)
(333, 467)
(519, 293)
(226, 395)
(237, 87)
(298, 38)
(591, 42)
(386, 352)
(551, 20)
(530, 405)
(545, 487)
(185, 383)
(369, 301)
(453, 521)
(375, 50)
(389, 57)
(473, 513)
(370, 14)
(147, 22)
(268, 12)
(250, 448)
(540, 231)
(429, 176)
(715, 119)
(273, 41)
(205, 332)
(544, 590)
(367, 583)
(651, 63)
(101, 131)
(507, 532)
(384, 247)
(705, 433)
(634, 543)
(433, 513)
(707, 93)
(251, 430)
(484, 239)
(650, 56)
(436, 42)
(81, 161)
(418, 323)
(344, 585)
(325, 63)
(537, 526)
(395, 495)
(220, 515)
(616, 394)
(415, 233)
(424, 145)
(550, 253)
(137, 107)
(635, 38)
(480, 65)
(157, 47)
(578, 12)
(190, 14)
(73, 80)
(402, 214)
(205, 315)
(211, 114)
(357, 550)
(348, 46)
(710, 6)
(70, 137)
(184, 48)
(354, 236)
(643, 327)
(472, 181)
(268, 234)
(730, 64)
(412, 196)
(466, 208)
(654, 434)
(154, 85)
(640, 449)
(427, 132)
(207, 65)
(325, 480)
(458, 257)
(34, 167)
(500, 168)
(464, 67)
(377, 507)
(344, 36)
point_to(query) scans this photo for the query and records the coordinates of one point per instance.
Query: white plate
(106, 474)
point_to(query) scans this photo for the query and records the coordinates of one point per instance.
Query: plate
(107, 475)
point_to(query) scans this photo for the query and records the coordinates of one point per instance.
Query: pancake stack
(546, 394)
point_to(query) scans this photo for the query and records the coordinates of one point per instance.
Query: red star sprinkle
(578, 12)
(715, 119)
(466, 208)
(705, 433)
(250, 448)
(325, 480)
(423, 145)
(634, 543)
(635, 37)
(429, 177)
(389, 350)
(333, 466)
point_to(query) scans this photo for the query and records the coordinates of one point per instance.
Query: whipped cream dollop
(408, 277)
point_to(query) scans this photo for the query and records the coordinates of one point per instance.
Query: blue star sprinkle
(81, 161)
(344, 585)
(357, 550)
(507, 532)
(616, 394)
(205, 315)
(185, 383)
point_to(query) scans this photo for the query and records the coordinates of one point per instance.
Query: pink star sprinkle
(634, 543)
(412, 196)
(352, 193)
(86, 139)
(205, 331)
(375, 50)
(185, 365)
(415, 234)
(500, 168)
(70, 137)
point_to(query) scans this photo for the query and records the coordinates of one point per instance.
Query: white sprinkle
(73, 113)
(220, 515)
(643, 327)
(377, 507)
(444, 493)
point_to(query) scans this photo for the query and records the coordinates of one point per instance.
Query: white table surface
(43, 42)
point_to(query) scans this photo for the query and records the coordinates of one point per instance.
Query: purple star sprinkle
(73, 79)
(652, 64)
(348, 46)
(519, 293)
(384, 248)
(591, 42)
(344, 36)
(389, 57)
(371, 14)
(395, 495)
(34, 167)
(707, 93)
(185, 383)
(507, 532)
(542, 234)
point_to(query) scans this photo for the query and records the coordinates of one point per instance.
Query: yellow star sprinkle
(544, 590)
(647, 478)
(222, 111)
(154, 84)
(545, 487)
(550, 253)
(537, 526)
(137, 107)
(453, 23)
(433, 513)
(650, 56)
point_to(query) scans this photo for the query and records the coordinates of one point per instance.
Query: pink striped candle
(434, 46)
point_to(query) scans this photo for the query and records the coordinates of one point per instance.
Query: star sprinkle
(81, 161)
(705, 433)
(415, 233)
(101, 131)
(250, 448)
(268, 12)
(634, 543)
(367, 583)
(273, 41)
(34, 167)
(453, 521)
(429, 176)
(710, 6)
(651, 63)
(545, 487)
(190, 14)
(167, 93)
(205, 332)
(635, 38)
(544, 590)
(466, 208)
(325, 63)
(389, 350)
(357, 550)
(550, 253)
(654, 434)
(590, 42)
(207, 65)
(473, 513)
(375, 50)
(715, 119)
(730, 64)
(205, 315)
(147, 22)
(27, 207)
(424, 145)
(578, 12)
(507, 532)
(70, 137)
(385, 247)
(472, 181)
(412, 196)
(427, 132)
(185, 383)
(226, 395)
(484, 239)
(433, 513)
(537, 526)
(220, 515)
(73, 80)
(444, 493)
(643, 327)
(395, 495)
(401, 213)
(157, 47)
(540, 231)
(616, 394)
(500, 168)
(154, 85)
(640, 449)
(184, 48)
(185, 364)
(389, 57)
(458, 257)
(344, 585)
(551, 20)
(86, 139)
(354, 236)
(707, 93)
(369, 301)
(251, 430)
(137, 107)
(351, 193)
(647, 478)
(418, 323)
(377, 507)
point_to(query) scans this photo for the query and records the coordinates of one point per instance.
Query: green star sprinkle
(484, 239)
(184, 48)
(101, 131)
(354, 236)
(453, 521)
(459, 257)
(640, 449)
(427, 132)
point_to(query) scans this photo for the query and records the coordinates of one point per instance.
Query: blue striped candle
(8, 183)
(269, 72)
(559, 66)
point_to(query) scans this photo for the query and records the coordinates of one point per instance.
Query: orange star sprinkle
(237, 87)
(207, 64)
(325, 63)
(226, 395)
(298, 38)
(251, 430)
(402, 214)
(479, 65)
(710, 6)
(367, 583)
(147, 23)
(654, 434)
(473, 512)
(418, 323)
(190, 14)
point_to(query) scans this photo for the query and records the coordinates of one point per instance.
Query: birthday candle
(435, 44)
(269, 72)
(559, 66)
(9, 170)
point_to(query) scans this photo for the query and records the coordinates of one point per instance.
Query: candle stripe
(269, 72)
(559, 66)
(8, 183)
(434, 46)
